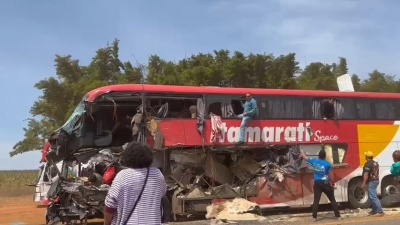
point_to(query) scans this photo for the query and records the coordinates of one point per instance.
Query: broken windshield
(73, 121)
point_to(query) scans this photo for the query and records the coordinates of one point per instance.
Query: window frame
(355, 111)
(166, 95)
(212, 98)
(334, 146)
(264, 111)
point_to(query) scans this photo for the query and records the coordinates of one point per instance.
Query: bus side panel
(288, 192)
(174, 132)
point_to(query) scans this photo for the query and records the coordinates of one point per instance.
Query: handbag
(137, 200)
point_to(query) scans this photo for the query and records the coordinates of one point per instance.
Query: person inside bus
(327, 109)
(96, 179)
(371, 179)
(193, 111)
(250, 111)
(323, 182)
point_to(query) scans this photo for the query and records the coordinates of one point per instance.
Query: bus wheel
(358, 197)
(388, 186)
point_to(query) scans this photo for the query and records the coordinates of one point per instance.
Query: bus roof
(94, 94)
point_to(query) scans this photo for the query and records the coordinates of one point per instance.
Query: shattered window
(226, 107)
(286, 108)
(335, 153)
(73, 121)
(173, 107)
(344, 108)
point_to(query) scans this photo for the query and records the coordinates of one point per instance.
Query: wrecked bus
(200, 159)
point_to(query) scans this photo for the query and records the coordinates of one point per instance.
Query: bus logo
(303, 132)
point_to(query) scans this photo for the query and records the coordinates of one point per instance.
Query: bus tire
(358, 197)
(391, 201)
(388, 186)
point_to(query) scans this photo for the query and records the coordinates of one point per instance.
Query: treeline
(62, 92)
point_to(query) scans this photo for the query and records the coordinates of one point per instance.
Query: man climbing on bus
(327, 109)
(250, 111)
(371, 179)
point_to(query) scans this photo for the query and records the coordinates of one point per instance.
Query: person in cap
(323, 182)
(371, 180)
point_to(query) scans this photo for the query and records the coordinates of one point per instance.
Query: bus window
(286, 108)
(396, 109)
(184, 107)
(225, 107)
(385, 110)
(335, 153)
(365, 110)
(344, 108)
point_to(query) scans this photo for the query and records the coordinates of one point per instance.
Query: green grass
(14, 183)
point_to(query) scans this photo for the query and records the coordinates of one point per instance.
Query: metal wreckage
(195, 176)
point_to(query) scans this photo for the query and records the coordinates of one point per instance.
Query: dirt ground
(22, 210)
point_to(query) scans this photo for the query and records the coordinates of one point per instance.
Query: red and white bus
(199, 169)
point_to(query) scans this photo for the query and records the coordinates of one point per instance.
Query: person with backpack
(371, 179)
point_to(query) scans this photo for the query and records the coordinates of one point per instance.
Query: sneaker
(315, 219)
(339, 218)
(371, 213)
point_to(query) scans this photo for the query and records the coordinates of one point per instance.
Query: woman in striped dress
(136, 192)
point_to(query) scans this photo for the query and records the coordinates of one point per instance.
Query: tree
(61, 93)
(380, 82)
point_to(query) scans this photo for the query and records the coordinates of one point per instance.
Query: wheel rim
(390, 190)
(360, 195)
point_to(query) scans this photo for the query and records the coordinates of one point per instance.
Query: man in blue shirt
(250, 111)
(323, 182)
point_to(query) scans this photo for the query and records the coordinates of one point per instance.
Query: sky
(32, 32)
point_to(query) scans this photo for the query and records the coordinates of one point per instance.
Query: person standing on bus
(371, 179)
(249, 112)
(323, 182)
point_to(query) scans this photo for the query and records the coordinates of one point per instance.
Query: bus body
(288, 120)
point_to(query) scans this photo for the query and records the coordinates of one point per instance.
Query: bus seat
(104, 139)
(163, 111)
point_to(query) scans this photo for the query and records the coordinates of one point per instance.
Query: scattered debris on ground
(238, 209)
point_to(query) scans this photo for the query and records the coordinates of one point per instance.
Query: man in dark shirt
(327, 109)
(371, 177)
(323, 182)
